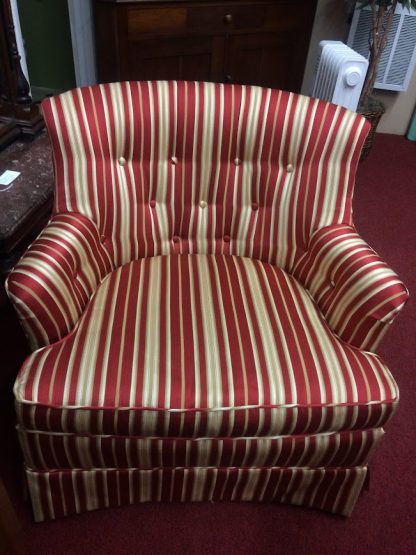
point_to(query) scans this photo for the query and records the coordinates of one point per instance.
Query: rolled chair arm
(358, 294)
(54, 280)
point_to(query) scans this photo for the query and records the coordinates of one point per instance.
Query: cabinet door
(267, 59)
(193, 58)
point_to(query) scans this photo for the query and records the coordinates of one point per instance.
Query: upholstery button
(227, 238)
(102, 239)
(152, 203)
(174, 160)
(289, 168)
(202, 204)
(255, 206)
(176, 239)
(122, 161)
(237, 161)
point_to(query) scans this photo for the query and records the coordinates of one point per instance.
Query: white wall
(19, 38)
(399, 109)
(82, 34)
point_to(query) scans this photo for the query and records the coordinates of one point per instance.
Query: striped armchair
(202, 312)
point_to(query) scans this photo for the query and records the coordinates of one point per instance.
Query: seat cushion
(202, 346)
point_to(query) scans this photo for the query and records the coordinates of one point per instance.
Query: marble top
(29, 198)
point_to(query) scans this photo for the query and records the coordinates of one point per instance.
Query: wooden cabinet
(251, 42)
(18, 114)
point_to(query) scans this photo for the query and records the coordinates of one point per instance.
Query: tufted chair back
(185, 167)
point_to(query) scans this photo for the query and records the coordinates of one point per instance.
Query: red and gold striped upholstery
(53, 283)
(46, 450)
(201, 308)
(202, 345)
(356, 291)
(55, 494)
(165, 167)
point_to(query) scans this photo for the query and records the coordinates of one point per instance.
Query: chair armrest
(53, 281)
(356, 291)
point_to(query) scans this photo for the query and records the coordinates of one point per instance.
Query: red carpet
(384, 520)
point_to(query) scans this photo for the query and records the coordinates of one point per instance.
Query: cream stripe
(261, 153)
(280, 212)
(216, 184)
(152, 341)
(163, 167)
(113, 153)
(213, 362)
(132, 175)
(142, 176)
(102, 372)
(121, 370)
(206, 161)
(91, 156)
(322, 156)
(59, 134)
(122, 210)
(224, 333)
(102, 211)
(267, 185)
(168, 342)
(241, 221)
(301, 167)
(134, 394)
(78, 154)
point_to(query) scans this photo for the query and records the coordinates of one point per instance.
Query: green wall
(47, 38)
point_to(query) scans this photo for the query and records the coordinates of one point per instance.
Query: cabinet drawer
(155, 20)
(227, 17)
(218, 18)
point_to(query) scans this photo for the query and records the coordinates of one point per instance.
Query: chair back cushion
(184, 167)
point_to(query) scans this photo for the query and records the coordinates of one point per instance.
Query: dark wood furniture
(18, 114)
(238, 41)
(27, 204)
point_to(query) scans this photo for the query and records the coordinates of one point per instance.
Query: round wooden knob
(228, 18)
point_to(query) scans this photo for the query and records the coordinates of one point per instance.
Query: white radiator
(340, 74)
